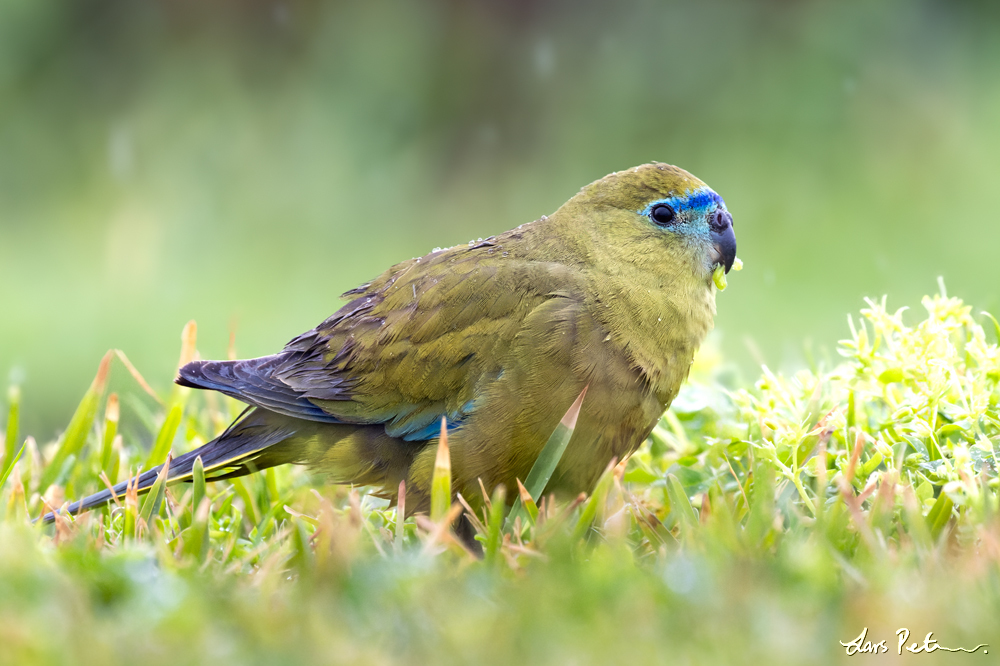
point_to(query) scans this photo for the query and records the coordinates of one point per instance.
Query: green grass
(762, 524)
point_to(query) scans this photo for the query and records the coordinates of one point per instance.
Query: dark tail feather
(254, 382)
(252, 443)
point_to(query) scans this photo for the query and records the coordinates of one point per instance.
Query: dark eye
(662, 214)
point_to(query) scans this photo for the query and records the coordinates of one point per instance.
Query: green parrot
(613, 292)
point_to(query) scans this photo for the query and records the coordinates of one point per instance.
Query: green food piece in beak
(719, 277)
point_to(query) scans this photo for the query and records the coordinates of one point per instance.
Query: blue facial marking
(699, 200)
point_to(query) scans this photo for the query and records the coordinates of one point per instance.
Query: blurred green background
(243, 163)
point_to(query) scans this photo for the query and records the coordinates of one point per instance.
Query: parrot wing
(419, 343)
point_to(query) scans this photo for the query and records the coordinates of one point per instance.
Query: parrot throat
(655, 306)
(658, 323)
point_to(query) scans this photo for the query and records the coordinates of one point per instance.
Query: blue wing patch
(429, 425)
(429, 431)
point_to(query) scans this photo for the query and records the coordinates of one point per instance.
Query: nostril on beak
(721, 220)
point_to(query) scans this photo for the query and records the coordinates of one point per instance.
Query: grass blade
(495, 528)
(17, 508)
(151, 506)
(111, 413)
(680, 505)
(196, 537)
(541, 472)
(400, 516)
(79, 426)
(441, 481)
(916, 524)
(302, 559)
(165, 437)
(939, 515)
(996, 324)
(140, 380)
(13, 422)
(197, 483)
(248, 503)
(130, 507)
(10, 468)
(553, 450)
(527, 502)
(167, 432)
(597, 499)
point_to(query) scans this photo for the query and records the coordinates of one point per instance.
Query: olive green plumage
(613, 291)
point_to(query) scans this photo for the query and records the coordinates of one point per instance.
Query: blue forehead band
(700, 199)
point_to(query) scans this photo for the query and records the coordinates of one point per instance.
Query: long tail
(252, 442)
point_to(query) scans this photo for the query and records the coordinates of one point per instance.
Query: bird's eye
(662, 214)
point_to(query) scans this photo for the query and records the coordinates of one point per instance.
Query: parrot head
(659, 208)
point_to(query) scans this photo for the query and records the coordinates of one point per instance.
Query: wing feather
(418, 343)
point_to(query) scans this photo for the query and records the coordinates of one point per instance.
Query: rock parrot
(613, 292)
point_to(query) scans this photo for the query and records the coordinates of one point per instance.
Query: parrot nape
(613, 291)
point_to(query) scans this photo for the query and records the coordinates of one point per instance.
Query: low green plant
(772, 522)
